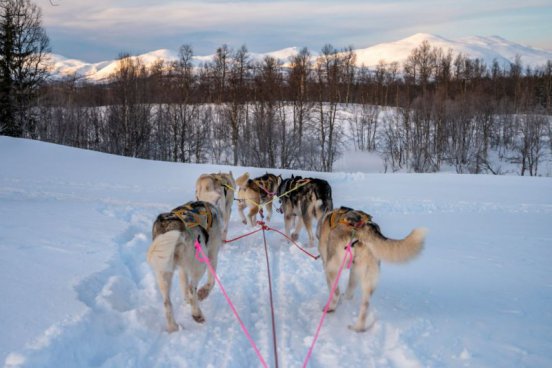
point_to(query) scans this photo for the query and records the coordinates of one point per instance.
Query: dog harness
(194, 214)
(338, 217)
(223, 182)
(265, 183)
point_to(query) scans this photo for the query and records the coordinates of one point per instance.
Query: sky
(102, 29)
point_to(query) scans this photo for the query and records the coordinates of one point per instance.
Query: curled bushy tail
(161, 251)
(397, 251)
(242, 180)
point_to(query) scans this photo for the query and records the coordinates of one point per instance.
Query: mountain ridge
(487, 48)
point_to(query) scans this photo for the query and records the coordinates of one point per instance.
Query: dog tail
(396, 251)
(325, 194)
(161, 252)
(242, 180)
(210, 197)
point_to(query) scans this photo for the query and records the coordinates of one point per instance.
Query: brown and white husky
(209, 186)
(341, 226)
(255, 194)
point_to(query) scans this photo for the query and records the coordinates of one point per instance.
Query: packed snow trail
(75, 226)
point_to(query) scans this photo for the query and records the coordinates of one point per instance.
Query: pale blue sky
(101, 29)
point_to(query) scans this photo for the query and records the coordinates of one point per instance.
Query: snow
(77, 292)
(485, 48)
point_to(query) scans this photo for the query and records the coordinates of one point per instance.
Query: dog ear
(241, 180)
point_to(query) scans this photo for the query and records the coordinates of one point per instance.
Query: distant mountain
(485, 48)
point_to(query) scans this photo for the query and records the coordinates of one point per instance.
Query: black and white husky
(304, 200)
(174, 236)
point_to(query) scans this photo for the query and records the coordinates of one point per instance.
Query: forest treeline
(434, 109)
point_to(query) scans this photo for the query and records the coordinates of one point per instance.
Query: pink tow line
(348, 253)
(201, 257)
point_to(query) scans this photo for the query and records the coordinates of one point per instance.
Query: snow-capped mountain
(485, 48)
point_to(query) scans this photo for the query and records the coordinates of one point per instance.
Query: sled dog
(341, 226)
(209, 186)
(174, 235)
(303, 200)
(256, 192)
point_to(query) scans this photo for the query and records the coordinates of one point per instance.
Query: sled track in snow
(124, 323)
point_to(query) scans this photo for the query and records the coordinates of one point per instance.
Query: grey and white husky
(173, 247)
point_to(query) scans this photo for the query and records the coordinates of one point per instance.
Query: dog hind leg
(368, 282)
(331, 274)
(164, 280)
(252, 216)
(197, 315)
(183, 277)
(241, 206)
(351, 286)
(298, 226)
(268, 207)
(308, 225)
(288, 218)
(206, 289)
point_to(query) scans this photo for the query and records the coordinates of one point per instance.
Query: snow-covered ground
(76, 290)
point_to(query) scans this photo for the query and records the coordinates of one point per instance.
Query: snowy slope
(485, 48)
(63, 67)
(77, 292)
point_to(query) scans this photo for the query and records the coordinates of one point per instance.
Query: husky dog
(220, 186)
(174, 235)
(302, 200)
(254, 193)
(341, 226)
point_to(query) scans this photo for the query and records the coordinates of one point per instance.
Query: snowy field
(77, 292)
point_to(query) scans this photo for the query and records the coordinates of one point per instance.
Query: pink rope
(271, 300)
(201, 257)
(242, 236)
(295, 243)
(349, 253)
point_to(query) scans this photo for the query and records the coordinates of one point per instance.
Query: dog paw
(244, 222)
(294, 236)
(199, 318)
(173, 327)
(357, 328)
(203, 293)
(330, 310)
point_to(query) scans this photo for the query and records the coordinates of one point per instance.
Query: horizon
(100, 30)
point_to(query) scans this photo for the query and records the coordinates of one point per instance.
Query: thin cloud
(362, 23)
